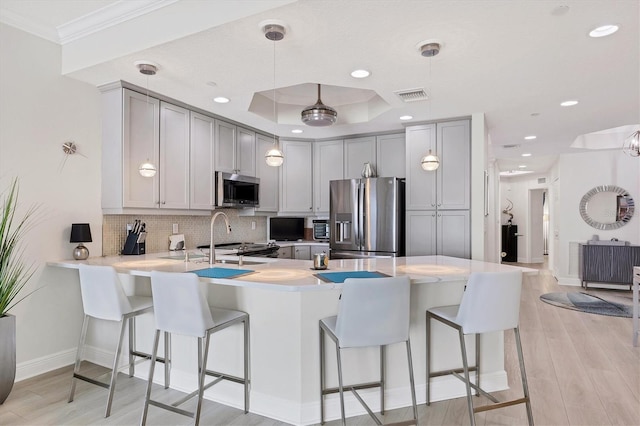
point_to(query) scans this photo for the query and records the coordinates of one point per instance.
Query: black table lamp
(80, 233)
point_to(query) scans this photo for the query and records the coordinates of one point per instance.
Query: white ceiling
(514, 60)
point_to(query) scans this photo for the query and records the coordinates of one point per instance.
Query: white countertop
(297, 275)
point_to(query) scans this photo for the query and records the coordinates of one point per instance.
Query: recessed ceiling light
(603, 31)
(526, 154)
(211, 83)
(535, 114)
(530, 138)
(221, 100)
(296, 131)
(406, 117)
(522, 166)
(569, 103)
(360, 74)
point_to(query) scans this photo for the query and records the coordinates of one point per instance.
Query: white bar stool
(491, 302)
(181, 307)
(104, 298)
(372, 312)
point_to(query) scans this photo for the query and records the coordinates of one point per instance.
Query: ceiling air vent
(412, 95)
(542, 180)
(510, 146)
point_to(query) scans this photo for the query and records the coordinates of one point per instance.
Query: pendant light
(631, 145)
(147, 168)
(430, 162)
(274, 32)
(319, 114)
(429, 49)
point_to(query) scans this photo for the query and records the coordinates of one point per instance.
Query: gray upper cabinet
(202, 164)
(421, 184)
(390, 155)
(358, 151)
(269, 182)
(125, 187)
(174, 157)
(225, 147)
(454, 173)
(296, 179)
(234, 149)
(246, 152)
(327, 166)
(448, 187)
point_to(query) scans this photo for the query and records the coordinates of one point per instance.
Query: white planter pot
(7, 355)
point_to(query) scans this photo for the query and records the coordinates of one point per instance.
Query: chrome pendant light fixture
(275, 32)
(429, 49)
(147, 168)
(319, 115)
(430, 162)
(631, 145)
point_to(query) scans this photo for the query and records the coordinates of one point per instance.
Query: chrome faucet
(212, 247)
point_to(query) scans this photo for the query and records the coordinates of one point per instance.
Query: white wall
(577, 174)
(39, 110)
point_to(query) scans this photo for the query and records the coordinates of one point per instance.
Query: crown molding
(106, 17)
(18, 21)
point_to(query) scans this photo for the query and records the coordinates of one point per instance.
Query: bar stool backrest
(373, 312)
(102, 294)
(491, 302)
(180, 303)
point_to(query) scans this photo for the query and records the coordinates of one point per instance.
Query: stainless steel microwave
(232, 190)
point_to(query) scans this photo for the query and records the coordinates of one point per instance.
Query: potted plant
(14, 275)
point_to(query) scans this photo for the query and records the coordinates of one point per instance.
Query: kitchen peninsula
(285, 299)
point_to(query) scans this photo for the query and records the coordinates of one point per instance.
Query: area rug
(589, 303)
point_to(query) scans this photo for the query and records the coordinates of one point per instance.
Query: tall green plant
(14, 273)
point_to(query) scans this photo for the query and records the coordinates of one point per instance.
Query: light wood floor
(582, 370)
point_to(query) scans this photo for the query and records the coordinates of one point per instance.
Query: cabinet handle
(164, 202)
(310, 208)
(433, 204)
(439, 204)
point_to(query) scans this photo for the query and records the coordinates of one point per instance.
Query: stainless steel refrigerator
(366, 218)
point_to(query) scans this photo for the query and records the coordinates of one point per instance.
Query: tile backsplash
(195, 229)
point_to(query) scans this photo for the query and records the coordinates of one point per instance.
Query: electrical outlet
(175, 228)
(253, 224)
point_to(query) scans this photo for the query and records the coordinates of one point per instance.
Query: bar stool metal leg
(382, 377)
(247, 365)
(154, 352)
(321, 376)
(412, 381)
(76, 367)
(478, 363)
(167, 359)
(340, 387)
(428, 356)
(525, 386)
(114, 371)
(132, 346)
(202, 362)
(465, 365)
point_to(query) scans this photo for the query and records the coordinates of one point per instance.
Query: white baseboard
(35, 367)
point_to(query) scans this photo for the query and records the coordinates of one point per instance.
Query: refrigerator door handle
(361, 237)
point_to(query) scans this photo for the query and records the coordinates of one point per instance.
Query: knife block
(135, 244)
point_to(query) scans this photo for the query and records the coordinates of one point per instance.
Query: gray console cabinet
(611, 264)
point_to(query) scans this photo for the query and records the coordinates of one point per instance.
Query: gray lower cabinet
(438, 232)
(302, 252)
(285, 252)
(608, 264)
